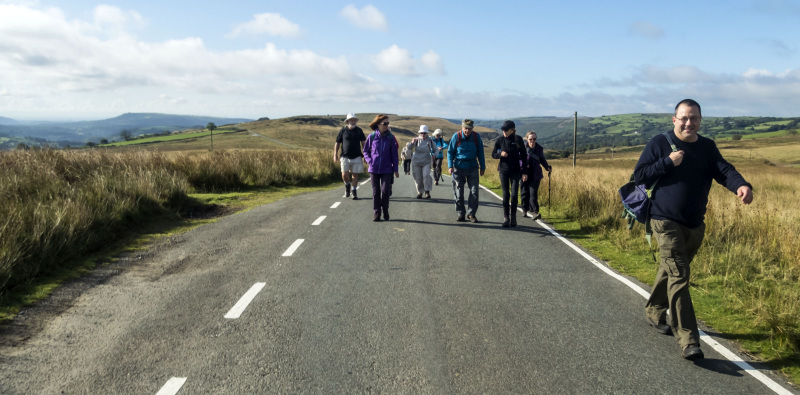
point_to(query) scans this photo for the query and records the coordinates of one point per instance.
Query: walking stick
(548, 193)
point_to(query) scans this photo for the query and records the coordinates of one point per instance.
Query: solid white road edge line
(237, 309)
(319, 220)
(293, 247)
(777, 388)
(172, 386)
(336, 204)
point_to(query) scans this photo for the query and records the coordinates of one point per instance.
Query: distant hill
(7, 121)
(79, 133)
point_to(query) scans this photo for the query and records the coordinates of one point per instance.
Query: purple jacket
(380, 153)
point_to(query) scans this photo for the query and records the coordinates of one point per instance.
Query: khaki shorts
(354, 165)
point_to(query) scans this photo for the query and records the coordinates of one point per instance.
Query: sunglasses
(384, 123)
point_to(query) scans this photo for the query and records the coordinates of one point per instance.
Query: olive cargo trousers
(677, 245)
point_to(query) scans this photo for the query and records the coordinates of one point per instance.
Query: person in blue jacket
(381, 155)
(677, 211)
(466, 163)
(437, 165)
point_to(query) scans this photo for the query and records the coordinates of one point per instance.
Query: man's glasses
(687, 119)
(385, 123)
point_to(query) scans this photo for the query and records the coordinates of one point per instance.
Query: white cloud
(267, 23)
(646, 29)
(368, 17)
(399, 61)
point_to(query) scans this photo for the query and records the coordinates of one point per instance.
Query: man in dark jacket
(351, 138)
(510, 149)
(678, 211)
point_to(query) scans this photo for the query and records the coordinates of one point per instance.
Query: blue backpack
(636, 202)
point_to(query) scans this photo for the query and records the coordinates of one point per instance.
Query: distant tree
(736, 137)
(126, 134)
(91, 144)
(103, 141)
(211, 127)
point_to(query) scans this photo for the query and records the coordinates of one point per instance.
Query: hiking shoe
(436, 182)
(460, 217)
(536, 216)
(513, 221)
(692, 352)
(386, 215)
(376, 217)
(472, 219)
(663, 329)
(427, 195)
(347, 192)
(419, 196)
(524, 214)
(355, 195)
(506, 222)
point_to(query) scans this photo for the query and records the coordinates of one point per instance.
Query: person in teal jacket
(437, 164)
(466, 163)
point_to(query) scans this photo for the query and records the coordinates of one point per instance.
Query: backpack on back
(636, 202)
(460, 137)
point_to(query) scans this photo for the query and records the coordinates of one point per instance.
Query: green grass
(168, 138)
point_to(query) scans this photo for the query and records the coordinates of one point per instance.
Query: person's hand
(745, 193)
(396, 174)
(335, 157)
(677, 157)
(450, 170)
(503, 154)
(524, 178)
(482, 173)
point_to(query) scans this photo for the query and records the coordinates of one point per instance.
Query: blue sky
(83, 59)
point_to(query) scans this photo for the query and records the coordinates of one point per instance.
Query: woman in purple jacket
(380, 153)
(530, 188)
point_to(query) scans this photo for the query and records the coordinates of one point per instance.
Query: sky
(83, 60)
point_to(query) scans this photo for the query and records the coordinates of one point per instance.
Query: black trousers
(510, 186)
(530, 195)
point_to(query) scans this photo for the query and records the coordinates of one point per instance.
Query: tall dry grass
(58, 205)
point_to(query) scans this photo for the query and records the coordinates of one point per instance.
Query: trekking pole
(548, 193)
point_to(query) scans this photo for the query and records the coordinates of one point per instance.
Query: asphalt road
(420, 304)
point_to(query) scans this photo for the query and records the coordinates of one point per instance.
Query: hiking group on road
(423, 155)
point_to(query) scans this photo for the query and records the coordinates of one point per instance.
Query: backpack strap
(648, 229)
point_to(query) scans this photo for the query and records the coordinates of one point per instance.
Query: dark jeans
(437, 169)
(509, 183)
(381, 191)
(470, 177)
(407, 166)
(530, 195)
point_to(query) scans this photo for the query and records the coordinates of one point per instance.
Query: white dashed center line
(172, 386)
(293, 247)
(336, 204)
(237, 309)
(319, 220)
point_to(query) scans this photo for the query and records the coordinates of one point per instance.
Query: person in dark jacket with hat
(510, 150)
(530, 188)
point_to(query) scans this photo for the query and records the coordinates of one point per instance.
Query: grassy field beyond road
(59, 205)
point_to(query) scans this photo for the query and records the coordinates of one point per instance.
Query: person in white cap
(424, 152)
(437, 164)
(351, 139)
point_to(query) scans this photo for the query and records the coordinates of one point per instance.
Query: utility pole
(575, 140)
